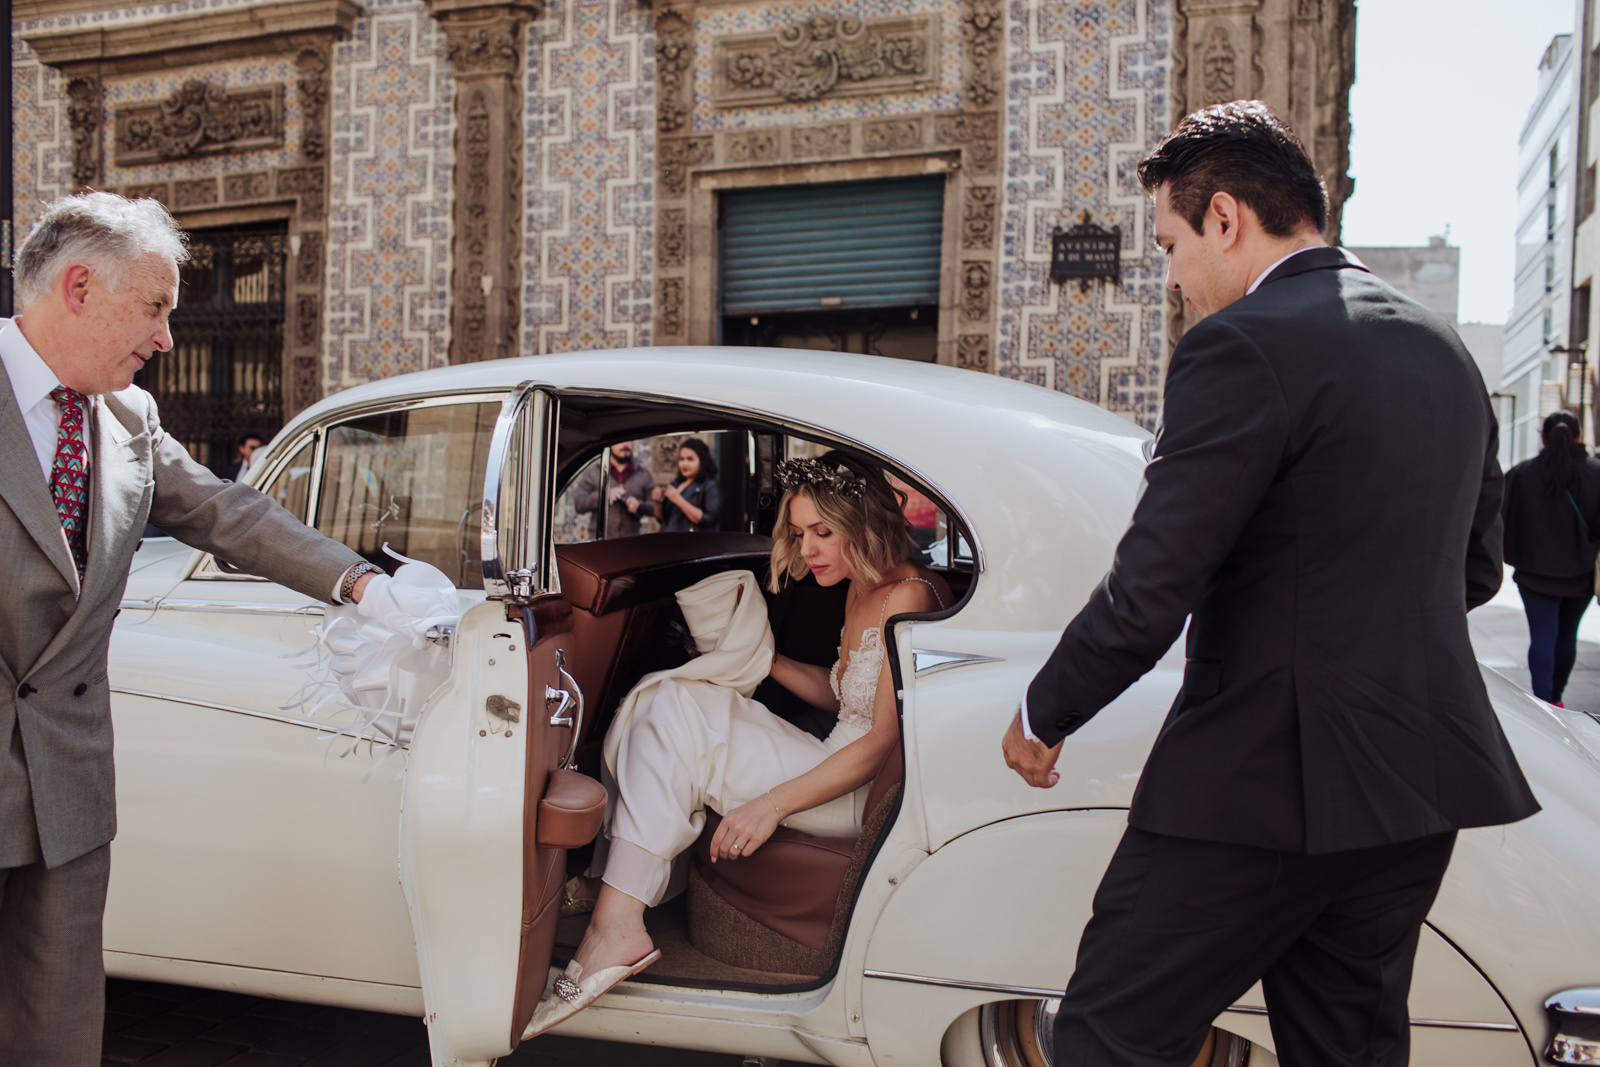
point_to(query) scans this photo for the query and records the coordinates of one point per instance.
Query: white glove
(417, 598)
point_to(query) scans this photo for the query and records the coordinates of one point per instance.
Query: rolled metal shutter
(851, 244)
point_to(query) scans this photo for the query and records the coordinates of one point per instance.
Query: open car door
(481, 869)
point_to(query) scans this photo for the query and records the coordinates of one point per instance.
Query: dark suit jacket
(55, 705)
(1324, 498)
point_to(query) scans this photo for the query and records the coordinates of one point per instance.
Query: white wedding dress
(691, 738)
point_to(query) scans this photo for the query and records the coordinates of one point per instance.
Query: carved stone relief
(194, 192)
(826, 55)
(308, 265)
(669, 306)
(83, 117)
(966, 127)
(892, 135)
(977, 290)
(980, 32)
(253, 185)
(823, 141)
(310, 184)
(674, 54)
(1220, 61)
(672, 238)
(199, 119)
(675, 157)
(978, 215)
(759, 146)
(472, 164)
(487, 48)
(307, 320)
(972, 351)
(313, 86)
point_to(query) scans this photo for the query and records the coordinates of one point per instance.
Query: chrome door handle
(561, 700)
(571, 694)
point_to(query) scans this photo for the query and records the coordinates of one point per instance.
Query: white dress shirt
(31, 383)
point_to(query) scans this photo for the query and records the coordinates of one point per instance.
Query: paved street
(157, 1025)
(171, 1026)
(1500, 637)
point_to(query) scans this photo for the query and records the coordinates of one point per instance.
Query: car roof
(1045, 481)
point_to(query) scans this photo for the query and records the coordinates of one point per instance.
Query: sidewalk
(1500, 638)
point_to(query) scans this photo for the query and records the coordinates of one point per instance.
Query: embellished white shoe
(572, 992)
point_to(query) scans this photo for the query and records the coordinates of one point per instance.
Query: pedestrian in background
(693, 502)
(616, 488)
(1552, 511)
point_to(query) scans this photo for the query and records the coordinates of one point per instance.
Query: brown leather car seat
(621, 592)
(786, 908)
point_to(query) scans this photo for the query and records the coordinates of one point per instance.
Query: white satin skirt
(692, 745)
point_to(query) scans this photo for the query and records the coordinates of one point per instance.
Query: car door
(484, 895)
(252, 836)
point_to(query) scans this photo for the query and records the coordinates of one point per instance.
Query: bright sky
(1442, 88)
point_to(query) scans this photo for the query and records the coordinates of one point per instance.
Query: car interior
(411, 479)
(775, 920)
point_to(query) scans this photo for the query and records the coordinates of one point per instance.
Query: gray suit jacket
(55, 711)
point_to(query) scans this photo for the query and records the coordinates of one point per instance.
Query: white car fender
(993, 915)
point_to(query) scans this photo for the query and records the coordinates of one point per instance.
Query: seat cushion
(791, 884)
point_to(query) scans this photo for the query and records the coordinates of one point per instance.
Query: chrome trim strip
(943, 661)
(233, 607)
(981, 987)
(319, 727)
(1051, 994)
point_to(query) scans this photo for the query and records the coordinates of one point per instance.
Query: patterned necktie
(69, 474)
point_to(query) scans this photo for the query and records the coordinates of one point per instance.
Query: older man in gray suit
(83, 464)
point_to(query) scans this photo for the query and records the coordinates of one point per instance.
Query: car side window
(607, 499)
(412, 480)
(291, 486)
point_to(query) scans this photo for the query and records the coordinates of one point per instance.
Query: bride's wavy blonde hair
(857, 502)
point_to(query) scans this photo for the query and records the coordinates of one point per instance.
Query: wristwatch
(347, 588)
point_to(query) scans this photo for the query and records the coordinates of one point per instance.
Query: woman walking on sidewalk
(1552, 514)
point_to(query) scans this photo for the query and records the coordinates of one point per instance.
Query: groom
(1323, 503)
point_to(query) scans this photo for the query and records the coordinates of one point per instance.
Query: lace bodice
(857, 689)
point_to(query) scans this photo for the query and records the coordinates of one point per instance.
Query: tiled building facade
(463, 179)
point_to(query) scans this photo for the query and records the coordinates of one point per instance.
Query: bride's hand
(744, 829)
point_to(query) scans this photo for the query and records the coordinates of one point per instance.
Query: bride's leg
(616, 934)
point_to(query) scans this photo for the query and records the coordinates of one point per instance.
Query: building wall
(390, 197)
(1037, 112)
(588, 223)
(1544, 236)
(1088, 93)
(1429, 274)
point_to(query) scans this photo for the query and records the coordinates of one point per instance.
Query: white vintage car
(258, 854)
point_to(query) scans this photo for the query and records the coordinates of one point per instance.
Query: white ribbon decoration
(372, 666)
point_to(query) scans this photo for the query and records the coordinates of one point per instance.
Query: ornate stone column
(485, 44)
(1297, 55)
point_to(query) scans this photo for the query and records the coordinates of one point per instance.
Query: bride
(681, 748)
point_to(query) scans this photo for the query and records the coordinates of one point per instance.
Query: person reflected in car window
(688, 740)
(619, 488)
(694, 499)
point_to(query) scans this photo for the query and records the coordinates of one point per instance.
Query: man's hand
(1033, 760)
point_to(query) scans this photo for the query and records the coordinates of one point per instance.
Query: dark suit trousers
(1182, 928)
(52, 976)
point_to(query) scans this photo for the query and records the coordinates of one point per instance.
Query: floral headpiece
(797, 473)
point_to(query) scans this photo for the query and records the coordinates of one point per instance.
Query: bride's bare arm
(806, 681)
(843, 772)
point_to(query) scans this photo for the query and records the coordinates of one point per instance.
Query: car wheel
(1020, 1033)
